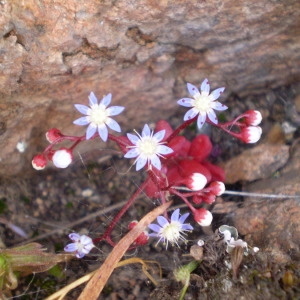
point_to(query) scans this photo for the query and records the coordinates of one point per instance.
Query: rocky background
(53, 53)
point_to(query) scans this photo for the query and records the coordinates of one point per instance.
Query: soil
(50, 204)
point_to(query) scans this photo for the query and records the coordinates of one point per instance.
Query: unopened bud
(217, 188)
(39, 162)
(143, 238)
(62, 158)
(132, 224)
(253, 117)
(203, 217)
(196, 181)
(53, 134)
(251, 134)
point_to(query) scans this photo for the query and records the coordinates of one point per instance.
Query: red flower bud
(252, 117)
(143, 238)
(251, 134)
(196, 181)
(39, 162)
(209, 198)
(53, 134)
(217, 188)
(203, 217)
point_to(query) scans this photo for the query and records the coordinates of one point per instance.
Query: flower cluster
(174, 165)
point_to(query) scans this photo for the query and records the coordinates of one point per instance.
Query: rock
(53, 54)
(256, 163)
(274, 224)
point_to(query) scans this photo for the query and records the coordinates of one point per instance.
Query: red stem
(106, 235)
(187, 202)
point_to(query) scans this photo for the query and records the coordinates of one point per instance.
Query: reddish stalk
(106, 235)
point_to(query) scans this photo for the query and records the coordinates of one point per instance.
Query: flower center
(79, 246)
(171, 232)
(202, 103)
(98, 115)
(147, 146)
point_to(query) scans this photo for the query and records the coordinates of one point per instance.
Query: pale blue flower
(203, 104)
(81, 245)
(171, 231)
(98, 116)
(147, 148)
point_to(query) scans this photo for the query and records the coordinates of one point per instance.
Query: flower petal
(93, 99)
(85, 110)
(164, 149)
(112, 124)
(114, 110)
(212, 116)
(103, 132)
(175, 215)
(132, 153)
(218, 106)
(162, 221)
(140, 163)
(85, 240)
(80, 254)
(91, 130)
(158, 136)
(82, 121)
(154, 227)
(205, 87)
(155, 161)
(133, 138)
(185, 102)
(201, 120)
(74, 236)
(183, 218)
(193, 90)
(190, 114)
(71, 247)
(106, 100)
(146, 131)
(216, 93)
(187, 227)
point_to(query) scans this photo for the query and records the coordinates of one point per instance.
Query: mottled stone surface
(53, 53)
(274, 224)
(256, 163)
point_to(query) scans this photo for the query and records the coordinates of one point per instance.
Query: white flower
(147, 148)
(234, 243)
(62, 158)
(202, 103)
(82, 244)
(98, 116)
(230, 238)
(170, 231)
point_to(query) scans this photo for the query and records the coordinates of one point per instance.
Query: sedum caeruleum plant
(175, 166)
